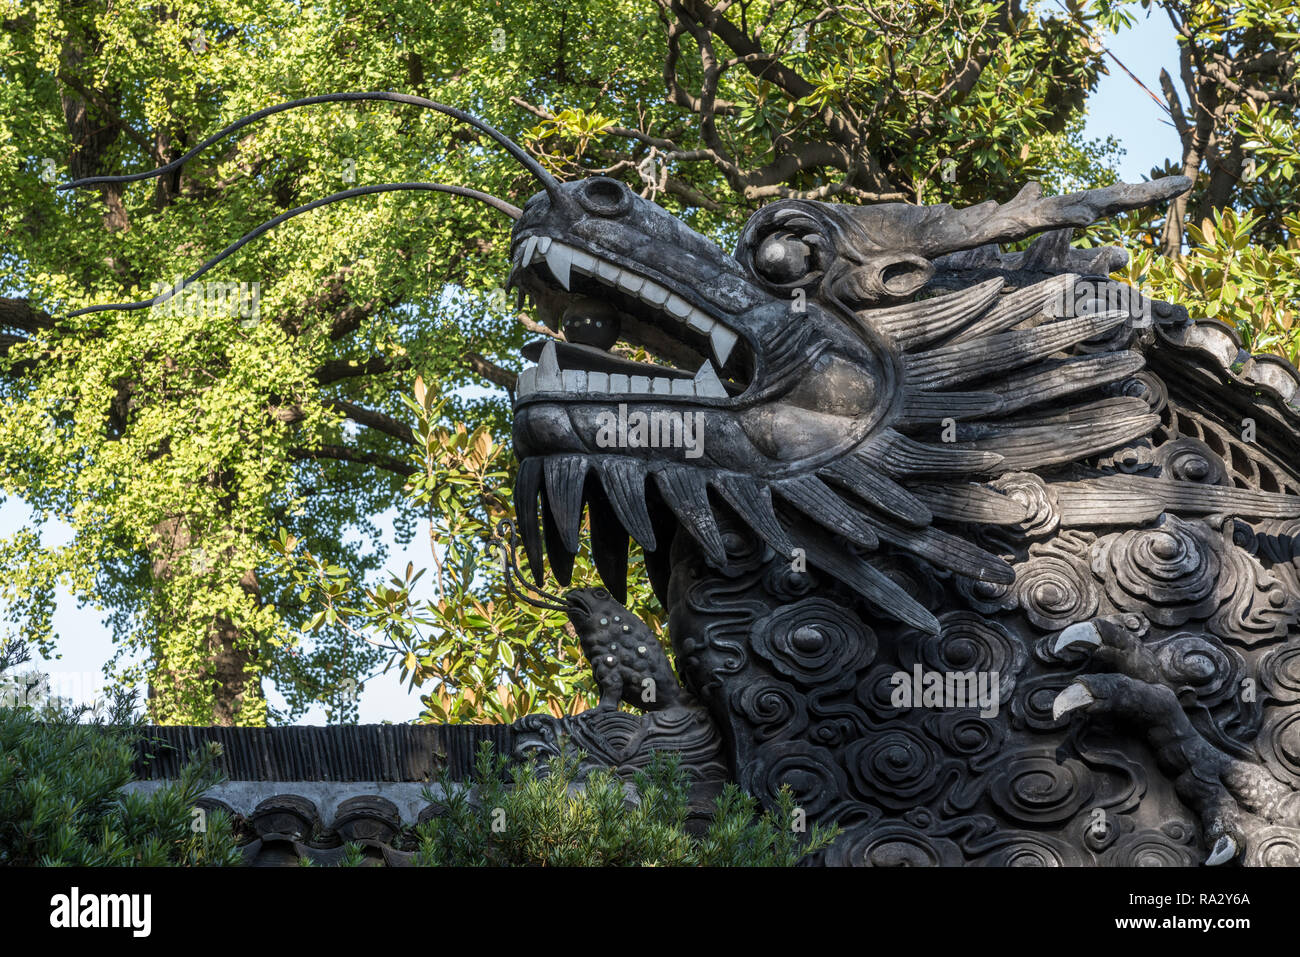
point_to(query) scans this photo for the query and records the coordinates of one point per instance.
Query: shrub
(61, 800)
(531, 815)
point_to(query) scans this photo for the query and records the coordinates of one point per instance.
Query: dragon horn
(933, 231)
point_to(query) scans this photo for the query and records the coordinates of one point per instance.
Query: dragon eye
(604, 196)
(600, 593)
(782, 258)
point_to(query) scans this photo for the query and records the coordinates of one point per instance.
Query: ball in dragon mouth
(590, 322)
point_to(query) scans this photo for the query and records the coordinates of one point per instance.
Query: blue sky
(1119, 108)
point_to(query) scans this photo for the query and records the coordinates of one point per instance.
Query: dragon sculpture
(988, 558)
(917, 462)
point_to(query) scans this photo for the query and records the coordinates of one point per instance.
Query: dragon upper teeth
(559, 261)
(678, 307)
(722, 339)
(654, 294)
(562, 259)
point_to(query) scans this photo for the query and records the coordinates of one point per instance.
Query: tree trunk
(232, 686)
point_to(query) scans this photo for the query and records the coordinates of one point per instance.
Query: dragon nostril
(590, 322)
(604, 196)
(903, 278)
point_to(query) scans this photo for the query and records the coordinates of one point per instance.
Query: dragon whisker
(514, 149)
(514, 576)
(502, 205)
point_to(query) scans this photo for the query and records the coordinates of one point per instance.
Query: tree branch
(337, 369)
(342, 453)
(19, 314)
(375, 420)
(490, 371)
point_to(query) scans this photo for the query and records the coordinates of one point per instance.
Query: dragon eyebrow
(512, 211)
(514, 149)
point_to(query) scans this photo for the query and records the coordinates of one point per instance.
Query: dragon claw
(1072, 698)
(1081, 635)
(1225, 849)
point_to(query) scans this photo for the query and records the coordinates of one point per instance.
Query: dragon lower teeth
(546, 376)
(707, 383)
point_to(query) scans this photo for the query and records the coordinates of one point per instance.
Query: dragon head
(798, 384)
(773, 375)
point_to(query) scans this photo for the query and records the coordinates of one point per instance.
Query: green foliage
(483, 658)
(61, 799)
(1236, 257)
(523, 817)
(1224, 276)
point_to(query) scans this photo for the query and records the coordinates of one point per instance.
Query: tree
(866, 102)
(1230, 249)
(175, 445)
(1238, 102)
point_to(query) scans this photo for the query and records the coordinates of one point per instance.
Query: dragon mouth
(698, 357)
